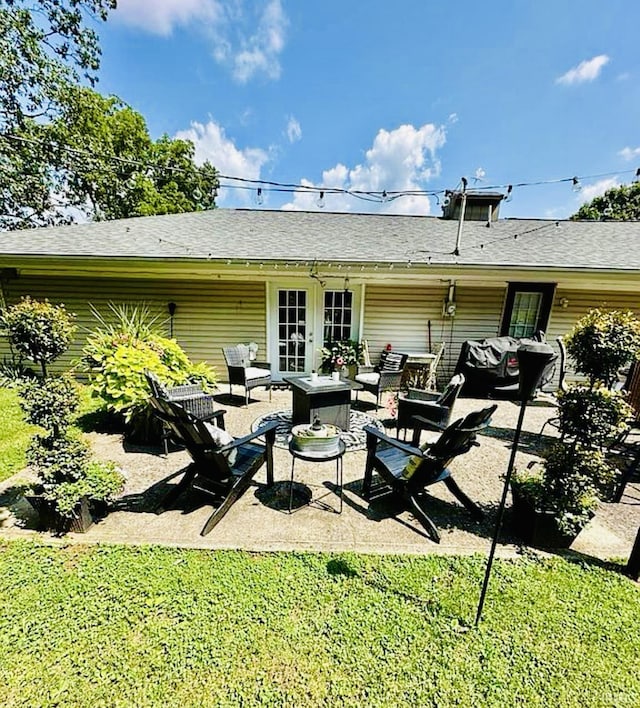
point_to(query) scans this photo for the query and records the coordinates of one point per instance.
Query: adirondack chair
(408, 469)
(221, 466)
(430, 405)
(191, 397)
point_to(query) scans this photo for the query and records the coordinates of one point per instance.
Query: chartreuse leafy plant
(123, 347)
(151, 626)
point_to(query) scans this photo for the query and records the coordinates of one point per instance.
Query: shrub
(38, 330)
(592, 415)
(117, 355)
(570, 482)
(601, 343)
(102, 481)
(50, 403)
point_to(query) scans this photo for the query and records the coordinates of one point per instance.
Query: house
(291, 280)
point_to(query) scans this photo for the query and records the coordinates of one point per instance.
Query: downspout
(463, 206)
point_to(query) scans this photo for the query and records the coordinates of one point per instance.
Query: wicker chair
(191, 397)
(386, 376)
(243, 371)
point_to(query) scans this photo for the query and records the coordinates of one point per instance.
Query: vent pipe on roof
(463, 206)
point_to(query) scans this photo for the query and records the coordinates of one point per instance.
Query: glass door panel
(292, 331)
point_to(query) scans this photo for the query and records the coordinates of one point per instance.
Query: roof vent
(480, 206)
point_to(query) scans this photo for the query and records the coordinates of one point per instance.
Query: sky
(373, 96)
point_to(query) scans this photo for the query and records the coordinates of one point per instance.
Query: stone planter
(50, 519)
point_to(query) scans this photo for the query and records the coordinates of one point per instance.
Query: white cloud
(294, 131)
(588, 192)
(212, 144)
(587, 70)
(245, 38)
(399, 160)
(628, 153)
(161, 16)
(453, 118)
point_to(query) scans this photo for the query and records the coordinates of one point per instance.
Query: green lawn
(119, 626)
(15, 434)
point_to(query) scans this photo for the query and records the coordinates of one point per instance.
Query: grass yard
(15, 434)
(120, 626)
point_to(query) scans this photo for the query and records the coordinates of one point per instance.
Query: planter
(537, 528)
(51, 520)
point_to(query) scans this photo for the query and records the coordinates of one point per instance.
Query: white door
(303, 320)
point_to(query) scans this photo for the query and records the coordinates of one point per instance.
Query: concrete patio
(260, 521)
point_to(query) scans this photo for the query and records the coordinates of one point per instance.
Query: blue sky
(370, 95)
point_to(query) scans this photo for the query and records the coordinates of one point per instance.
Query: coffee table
(323, 398)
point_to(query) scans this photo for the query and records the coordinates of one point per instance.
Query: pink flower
(339, 361)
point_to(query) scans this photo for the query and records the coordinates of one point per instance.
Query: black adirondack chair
(211, 470)
(389, 457)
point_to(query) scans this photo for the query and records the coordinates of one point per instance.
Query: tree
(66, 152)
(616, 204)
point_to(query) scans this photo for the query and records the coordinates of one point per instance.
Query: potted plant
(340, 356)
(71, 485)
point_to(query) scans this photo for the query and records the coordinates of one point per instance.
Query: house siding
(209, 315)
(400, 315)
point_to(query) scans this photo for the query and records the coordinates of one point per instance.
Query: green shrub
(570, 482)
(38, 330)
(50, 403)
(592, 415)
(601, 343)
(117, 355)
(59, 458)
(101, 481)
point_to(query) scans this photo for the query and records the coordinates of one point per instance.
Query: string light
(262, 186)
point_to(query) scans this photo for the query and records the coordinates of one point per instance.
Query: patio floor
(260, 521)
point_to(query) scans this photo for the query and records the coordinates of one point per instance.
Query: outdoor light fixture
(321, 201)
(533, 357)
(576, 186)
(259, 199)
(171, 306)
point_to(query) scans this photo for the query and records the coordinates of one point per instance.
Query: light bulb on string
(320, 202)
(636, 179)
(575, 184)
(259, 198)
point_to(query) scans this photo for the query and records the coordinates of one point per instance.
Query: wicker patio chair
(408, 469)
(245, 372)
(385, 376)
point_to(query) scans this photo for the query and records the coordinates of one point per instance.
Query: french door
(304, 319)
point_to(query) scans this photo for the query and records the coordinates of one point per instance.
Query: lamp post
(532, 359)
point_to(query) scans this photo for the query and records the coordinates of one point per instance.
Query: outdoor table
(318, 456)
(322, 398)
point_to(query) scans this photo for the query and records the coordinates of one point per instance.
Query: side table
(316, 456)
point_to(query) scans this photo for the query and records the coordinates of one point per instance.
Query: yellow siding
(400, 315)
(209, 315)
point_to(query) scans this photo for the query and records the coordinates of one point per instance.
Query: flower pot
(50, 519)
(537, 528)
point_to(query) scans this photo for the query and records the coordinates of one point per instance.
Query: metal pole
(503, 501)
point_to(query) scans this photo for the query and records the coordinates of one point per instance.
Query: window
(338, 315)
(527, 309)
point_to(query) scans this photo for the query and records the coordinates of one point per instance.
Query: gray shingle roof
(261, 235)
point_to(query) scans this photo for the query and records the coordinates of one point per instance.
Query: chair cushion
(220, 438)
(245, 354)
(255, 372)
(391, 361)
(370, 379)
(415, 461)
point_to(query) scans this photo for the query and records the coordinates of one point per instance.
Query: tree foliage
(616, 204)
(66, 152)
